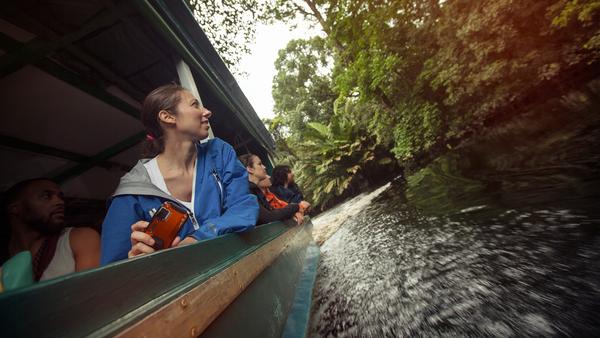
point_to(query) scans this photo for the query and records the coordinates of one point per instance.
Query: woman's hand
(299, 217)
(304, 206)
(188, 240)
(141, 242)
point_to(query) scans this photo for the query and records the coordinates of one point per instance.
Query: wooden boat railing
(235, 283)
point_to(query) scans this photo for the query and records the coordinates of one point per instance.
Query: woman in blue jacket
(204, 177)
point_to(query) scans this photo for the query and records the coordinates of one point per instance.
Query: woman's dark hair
(247, 160)
(167, 98)
(280, 173)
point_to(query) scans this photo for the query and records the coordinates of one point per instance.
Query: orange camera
(165, 224)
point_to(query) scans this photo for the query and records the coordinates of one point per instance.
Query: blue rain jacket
(222, 203)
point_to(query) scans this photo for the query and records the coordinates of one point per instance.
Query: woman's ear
(166, 117)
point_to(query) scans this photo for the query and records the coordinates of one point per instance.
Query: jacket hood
(137, 182)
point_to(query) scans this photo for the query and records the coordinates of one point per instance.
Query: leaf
(385, 160)
(321, 128)
(354, 169)
(329, 186)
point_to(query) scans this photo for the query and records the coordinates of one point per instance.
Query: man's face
(42, 207)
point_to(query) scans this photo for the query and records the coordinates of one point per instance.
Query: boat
(72, 76)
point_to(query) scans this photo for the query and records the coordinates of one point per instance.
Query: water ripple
(391, 271)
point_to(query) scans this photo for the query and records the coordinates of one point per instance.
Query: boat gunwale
(169, 318)
(67, 296)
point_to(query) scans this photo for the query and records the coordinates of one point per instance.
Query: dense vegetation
(230, 25)
(397, 82)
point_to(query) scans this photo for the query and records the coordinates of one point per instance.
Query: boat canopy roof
(73, 75)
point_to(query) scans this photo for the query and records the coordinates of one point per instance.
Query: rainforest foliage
(230, 25)
(391, 83)
(406, 79)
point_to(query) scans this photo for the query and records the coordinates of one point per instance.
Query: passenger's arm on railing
(299, 217)
(285, 213)
(304, 206)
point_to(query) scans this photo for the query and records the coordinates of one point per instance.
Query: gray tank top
(63, 262)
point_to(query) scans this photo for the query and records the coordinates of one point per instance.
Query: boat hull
(235, 283)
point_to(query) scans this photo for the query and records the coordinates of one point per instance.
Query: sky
(260, 63)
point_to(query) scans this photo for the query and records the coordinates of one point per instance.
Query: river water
(500, 237)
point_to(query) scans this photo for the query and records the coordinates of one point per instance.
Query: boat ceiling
(73, 74)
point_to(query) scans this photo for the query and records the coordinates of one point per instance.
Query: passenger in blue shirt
(204, 177)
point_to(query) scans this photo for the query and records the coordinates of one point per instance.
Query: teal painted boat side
(296, 325)
(262, 309)
(106, 300)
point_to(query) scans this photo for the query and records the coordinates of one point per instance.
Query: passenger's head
(282, 175)
(36, 203)
(256, 170)
(171, 111)
(265, 182)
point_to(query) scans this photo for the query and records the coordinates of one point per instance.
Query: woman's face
(192, 117)
(258, 169)
(265, 182)
(290, 177)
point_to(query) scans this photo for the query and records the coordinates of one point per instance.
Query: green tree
(494, 53)
(230, 25)
(416, 77)
(384, 47)
(580, 16)
(302, 87)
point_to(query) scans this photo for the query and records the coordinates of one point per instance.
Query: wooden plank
(191, 313)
